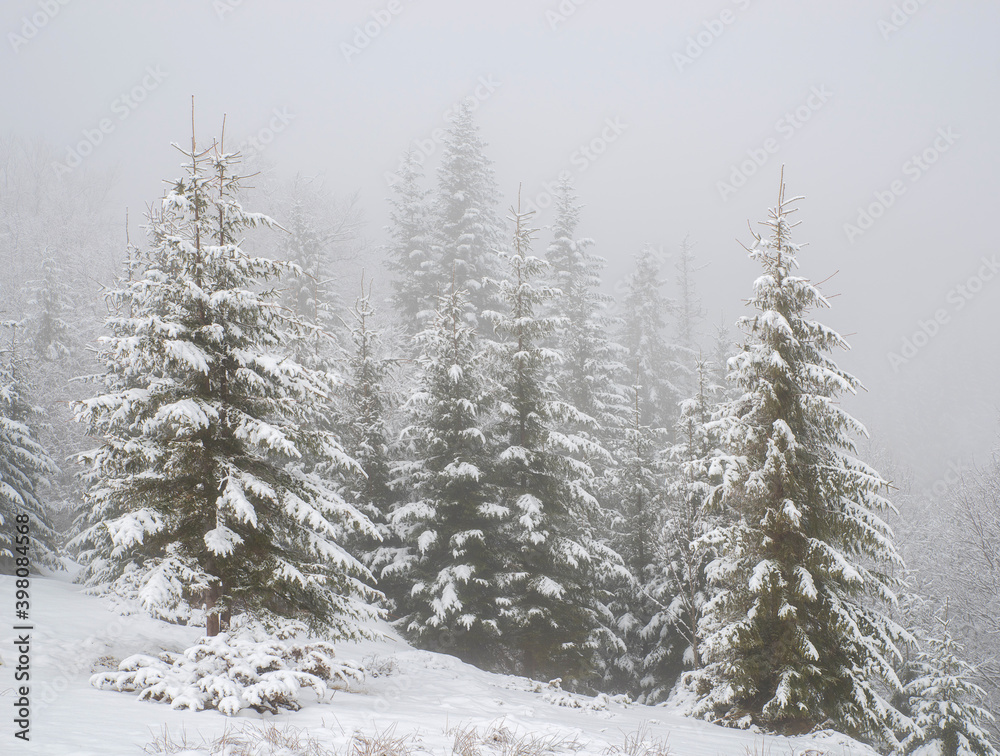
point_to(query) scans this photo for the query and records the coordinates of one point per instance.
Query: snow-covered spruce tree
(25, 467)
(946, 703)
(50, 306)
(314, 230)
(689, 310)
(451, 524)
(650, 353)
(198, 496)
(680, 585)
(589, 378)
(415, 286)
(55, 329)
(723, 348)
(465, 228)
(794, 635)
(590, 374)
(365, 409)
(633, 490)
(557, 573)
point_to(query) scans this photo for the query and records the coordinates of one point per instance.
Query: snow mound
(553, 693)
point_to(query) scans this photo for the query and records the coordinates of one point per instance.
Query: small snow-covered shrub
(380, 666)
(553, 693)
(232, 674)
(105, 662)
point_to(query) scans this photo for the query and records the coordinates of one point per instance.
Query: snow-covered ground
(422, 697)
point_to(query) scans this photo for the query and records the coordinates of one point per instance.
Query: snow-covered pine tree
(198, 496)
(465, 228)
(590, 374)
(688, 308)
(451, 524)
(26, 536)
(49, 299)
(633, 489)
(644, 315)
(309, 244)
(415, 286)
(723, 349)
(365, 411)
(680, 585)
(55, 330)
(946, 703)
(557, 572)
(653, 524)
(588, 378)
(794, 635)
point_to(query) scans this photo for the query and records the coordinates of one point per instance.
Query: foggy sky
(841, 93)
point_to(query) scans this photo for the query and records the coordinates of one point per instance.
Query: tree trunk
(211, 596)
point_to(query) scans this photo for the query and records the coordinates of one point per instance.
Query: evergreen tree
(366, 408)
(680, 585)
(645, 311)
(466, 230)
(722, 351)
(409, 254)
(55, 331)
(27, 537)
(634, 491)
(308, 293)
(590, 372)
(555, 583)
(689, 310)
(794, 635)
(588, 378)
(198, 494)
(451, 524)
(50, 312)
(946, 703)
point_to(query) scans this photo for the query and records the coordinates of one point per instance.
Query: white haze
(886, 95)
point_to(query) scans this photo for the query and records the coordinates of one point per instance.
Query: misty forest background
(424, 333)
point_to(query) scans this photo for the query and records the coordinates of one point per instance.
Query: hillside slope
(412, 701)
